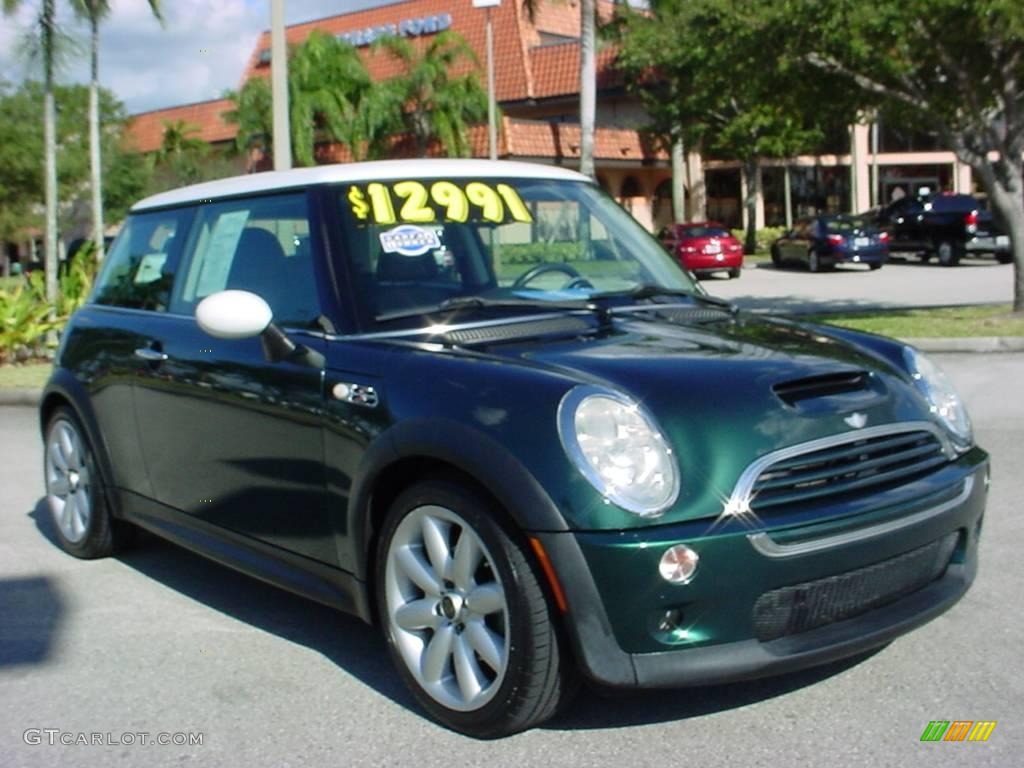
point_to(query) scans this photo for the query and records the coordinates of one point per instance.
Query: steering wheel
(543, 269)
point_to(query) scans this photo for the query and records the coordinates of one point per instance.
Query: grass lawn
(29, 376)
(995, 320)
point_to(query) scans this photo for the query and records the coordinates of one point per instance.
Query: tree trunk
(678, 181)
(1004, 182)
(94, 142)
(50, 150)
(588, 84)
(750, 168)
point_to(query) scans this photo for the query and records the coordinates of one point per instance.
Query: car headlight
(617, 446)
(941, 395)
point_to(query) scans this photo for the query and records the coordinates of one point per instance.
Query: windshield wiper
(653, 291)
(456, 303)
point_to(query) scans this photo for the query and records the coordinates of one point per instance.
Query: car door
(112, 332)
(227, 436)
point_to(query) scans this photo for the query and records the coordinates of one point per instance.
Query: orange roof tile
(146, 130)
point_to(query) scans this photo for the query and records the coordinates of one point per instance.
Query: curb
(969, 344)
(986, 344)
(20, 396)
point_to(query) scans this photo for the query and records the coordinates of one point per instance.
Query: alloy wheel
(447, 608)
(68, 481)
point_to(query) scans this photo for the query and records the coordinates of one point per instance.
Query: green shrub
(26, 317)
(765, 237)
(535, 253)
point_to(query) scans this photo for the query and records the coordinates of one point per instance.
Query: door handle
(150, 355)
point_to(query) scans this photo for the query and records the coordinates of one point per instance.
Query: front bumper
(616, 596)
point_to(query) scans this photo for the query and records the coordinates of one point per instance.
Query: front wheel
(467, 622)
(1004, 258)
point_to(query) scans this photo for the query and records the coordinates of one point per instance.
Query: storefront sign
(425, 25)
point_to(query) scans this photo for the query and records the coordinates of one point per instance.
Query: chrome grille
(849, 467)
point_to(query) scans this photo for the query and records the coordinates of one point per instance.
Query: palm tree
(588, 78)
(94, 11)
(331, 97)
(48, 37)
(437, 105)
(179, 139)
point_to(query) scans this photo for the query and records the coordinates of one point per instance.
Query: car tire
(776, 256)
(874, 266)
(813, 261)
(76, 491)
(483, 672)
(1004, 258)
(948, 253)
(734, 273)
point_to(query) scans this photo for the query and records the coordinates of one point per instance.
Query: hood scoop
(850, 384)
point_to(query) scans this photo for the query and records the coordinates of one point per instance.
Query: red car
(704, 247)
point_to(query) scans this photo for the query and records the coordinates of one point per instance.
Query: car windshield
(705, 232)
(416, 247)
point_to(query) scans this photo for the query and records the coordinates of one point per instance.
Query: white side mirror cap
(233, 315)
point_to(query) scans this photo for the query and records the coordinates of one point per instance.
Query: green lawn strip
(941, 322)
(28, 376)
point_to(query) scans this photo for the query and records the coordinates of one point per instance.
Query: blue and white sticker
(409, 240)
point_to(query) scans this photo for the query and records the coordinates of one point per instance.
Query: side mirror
(233, 315)
(242, 315)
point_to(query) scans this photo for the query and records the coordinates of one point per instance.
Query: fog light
(671, 620)
(678, 564)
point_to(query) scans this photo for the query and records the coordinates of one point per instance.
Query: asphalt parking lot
(161, 641)
(900, 283)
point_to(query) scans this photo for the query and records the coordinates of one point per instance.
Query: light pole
(279, 87)
(492, 106)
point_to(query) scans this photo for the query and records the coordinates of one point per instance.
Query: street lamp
(492, 107)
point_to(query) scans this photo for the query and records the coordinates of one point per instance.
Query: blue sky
(149, 67)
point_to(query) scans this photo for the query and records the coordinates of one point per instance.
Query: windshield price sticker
(411, 202)
(409, 240)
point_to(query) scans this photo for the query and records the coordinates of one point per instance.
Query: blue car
(821, 242)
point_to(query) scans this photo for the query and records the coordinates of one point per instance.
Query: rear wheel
(467, 622)
(874, 265)
(813, 261)
(734, 272)
(948, 253)
(75, 491)
(776, 256)
(1004, 258)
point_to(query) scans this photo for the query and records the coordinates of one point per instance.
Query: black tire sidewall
(490, 720)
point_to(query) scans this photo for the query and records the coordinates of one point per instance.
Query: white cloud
(201, 50)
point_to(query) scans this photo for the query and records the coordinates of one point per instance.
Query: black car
(944, 226)
(821, 242)
(528, 457)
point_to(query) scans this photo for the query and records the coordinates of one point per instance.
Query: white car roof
(350, 172)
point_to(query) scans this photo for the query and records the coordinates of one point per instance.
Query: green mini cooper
(476, 403)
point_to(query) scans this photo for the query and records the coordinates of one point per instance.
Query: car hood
(728, 391)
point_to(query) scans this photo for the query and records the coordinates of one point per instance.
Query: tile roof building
(537, 89)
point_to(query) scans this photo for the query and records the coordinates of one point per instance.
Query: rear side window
(138, 273)
(953, 204)
(259, 245)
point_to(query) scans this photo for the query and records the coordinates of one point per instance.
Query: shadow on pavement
(616, 710)
(360, 650)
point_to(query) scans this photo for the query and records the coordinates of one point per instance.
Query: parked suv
(477, 404)
(945, 226)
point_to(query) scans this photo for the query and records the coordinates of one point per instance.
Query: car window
(259, 245)
(953, 203)
(847, 223)
(705, 232)
(139, 270)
